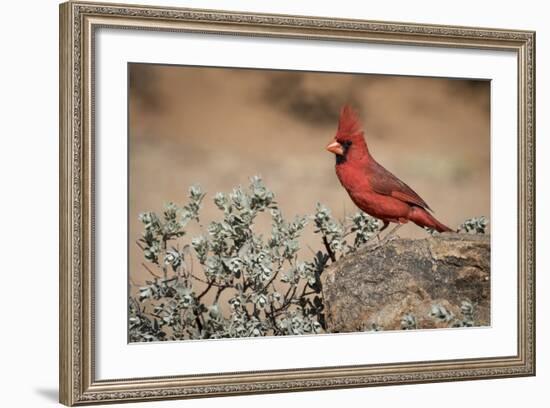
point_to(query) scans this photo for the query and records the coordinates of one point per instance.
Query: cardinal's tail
(423, 218)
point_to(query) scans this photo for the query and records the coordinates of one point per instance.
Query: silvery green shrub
(476, 225)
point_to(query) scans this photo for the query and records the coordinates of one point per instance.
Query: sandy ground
(217, 127)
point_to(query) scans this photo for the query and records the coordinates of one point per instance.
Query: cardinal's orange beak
(335, 147)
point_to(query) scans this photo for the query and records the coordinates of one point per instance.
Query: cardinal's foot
(391, 235)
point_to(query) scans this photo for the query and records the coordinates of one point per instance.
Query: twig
(329, 249)
(287, 293)
(287, 302)
(199, 324)
(272, 279)
(271, 316)
(304, 290)
(204, 292)
(164, 270)
(150, 271)
(219, 292)
(204, 281)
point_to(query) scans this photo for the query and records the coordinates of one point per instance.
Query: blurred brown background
(219, 126)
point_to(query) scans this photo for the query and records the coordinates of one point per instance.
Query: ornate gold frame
(77, 24)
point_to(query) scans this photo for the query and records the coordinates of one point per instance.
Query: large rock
(379, 286)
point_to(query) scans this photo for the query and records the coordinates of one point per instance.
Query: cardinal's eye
(347, 143)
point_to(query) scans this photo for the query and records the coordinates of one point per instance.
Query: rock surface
(379, 287)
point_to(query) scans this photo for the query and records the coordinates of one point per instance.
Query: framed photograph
(258, 203)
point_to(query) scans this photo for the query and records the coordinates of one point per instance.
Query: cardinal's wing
(385, 183)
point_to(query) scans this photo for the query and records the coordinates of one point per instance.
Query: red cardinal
(371, 187)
